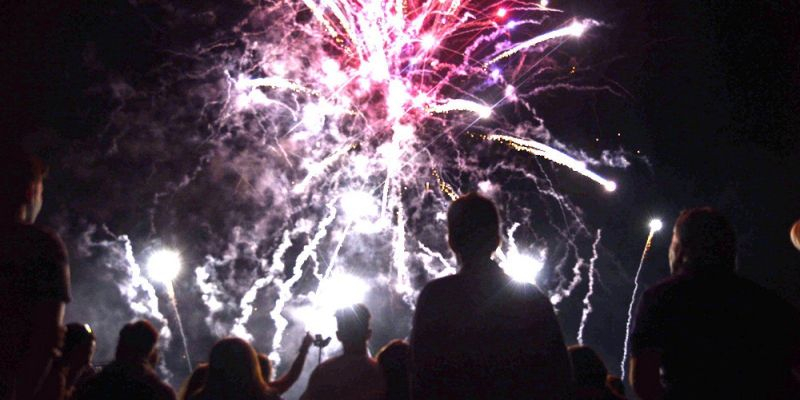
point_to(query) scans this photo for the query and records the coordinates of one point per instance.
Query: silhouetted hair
(233, 372)
(393, 360)
(587, 367)
(352, 323)
(18, 171)
(708, 237)
(76, 335)
(194, 383)
(266, 367)
(136, 341)
(473, 226)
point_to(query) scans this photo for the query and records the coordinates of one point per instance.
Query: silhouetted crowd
(703, 333)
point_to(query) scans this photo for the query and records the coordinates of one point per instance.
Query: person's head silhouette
(702, 241)
(21, 176)
(587, 367)
(352, 328)
(473, 228)
(394, 361)
(79, 345)
(233, 366)
(137, 343)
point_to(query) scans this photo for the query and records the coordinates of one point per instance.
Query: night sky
(710, 109)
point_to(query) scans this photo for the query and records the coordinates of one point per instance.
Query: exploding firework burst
(320, 142)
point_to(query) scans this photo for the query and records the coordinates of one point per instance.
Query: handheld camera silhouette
(319, 343)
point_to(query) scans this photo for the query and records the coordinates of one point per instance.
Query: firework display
(304, 159)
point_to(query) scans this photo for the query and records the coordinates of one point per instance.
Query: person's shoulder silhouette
(34, 277)
(479, 334)
(706, 331)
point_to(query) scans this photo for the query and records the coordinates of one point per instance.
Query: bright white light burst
(335, 292)
(339, 291)
(521, 267)
(656, 225)
(164, 265)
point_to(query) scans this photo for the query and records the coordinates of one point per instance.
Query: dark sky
(712, 103)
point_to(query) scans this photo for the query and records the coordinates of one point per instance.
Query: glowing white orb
(427, 42)
(544, 3)
(656, 225)
(501, 12)
(340, 290)
(610, 186)
(164, 265)
(577, 29)
(521, 268)
(495, 73)
(358, 205)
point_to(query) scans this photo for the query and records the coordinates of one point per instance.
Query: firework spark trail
(587, 305)
(647, 245)
(317, 169)
(575, 29)
(444, 186)
(246, 305)
(285, 292)
(212, 295)
(481, 110)
(448, 267)
(149, 306)
(543, 150)
(399, 257)
(174, 302)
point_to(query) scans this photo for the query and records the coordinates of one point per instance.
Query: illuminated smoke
(313, 142)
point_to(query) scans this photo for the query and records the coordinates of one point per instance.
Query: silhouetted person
(393, 360)
(34, 279)
(352, 375)
(131, 375)
(73, 367)
(285, 381)
(591, 375)
(706, 333)
(234, 373)
(480, 335)
(279, 386)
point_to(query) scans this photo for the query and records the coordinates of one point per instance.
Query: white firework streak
(577, 278)
(399, 256)
(543, 150)
(483, 111)
(575, 29)
(285, 292)
(587, 305)
(246, 306)
(148, 307)
(334, 256)
(212, 295)
(243, 83)
(647, 245)
(448, 268)
(317, 169)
